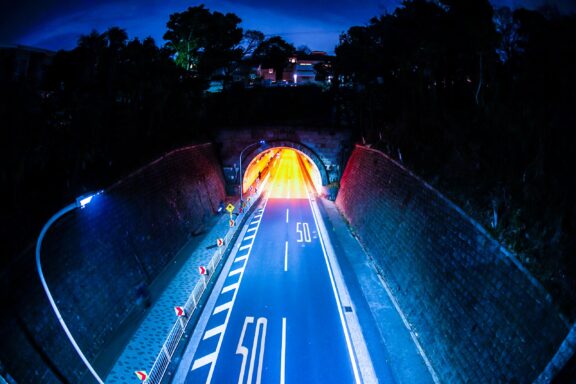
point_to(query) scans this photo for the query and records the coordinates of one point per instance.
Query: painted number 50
(259, 335)
(303, 232)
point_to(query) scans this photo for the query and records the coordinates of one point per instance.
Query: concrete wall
(480, 317)
(100, 260)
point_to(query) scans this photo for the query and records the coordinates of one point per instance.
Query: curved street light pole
(80, 203)
(260, 142)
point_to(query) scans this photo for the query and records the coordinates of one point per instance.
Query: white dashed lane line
(221, 329)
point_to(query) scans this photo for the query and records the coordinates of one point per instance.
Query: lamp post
(81, 202)
(261, 142)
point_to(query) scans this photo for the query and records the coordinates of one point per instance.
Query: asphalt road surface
(278, 317)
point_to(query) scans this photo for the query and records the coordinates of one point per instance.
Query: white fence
(171, 343)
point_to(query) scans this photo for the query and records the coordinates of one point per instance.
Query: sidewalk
(389, 341)
(147, 341)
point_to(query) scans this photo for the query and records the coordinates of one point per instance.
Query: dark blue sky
(55, 24)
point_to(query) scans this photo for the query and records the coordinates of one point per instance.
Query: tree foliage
(274, 53)
(203, 41)
(479, 102)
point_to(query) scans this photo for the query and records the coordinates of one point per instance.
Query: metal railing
(171, 343)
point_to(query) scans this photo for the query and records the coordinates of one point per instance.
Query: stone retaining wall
(479, 315)
(99, 262)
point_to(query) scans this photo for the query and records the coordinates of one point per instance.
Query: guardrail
(171, 343)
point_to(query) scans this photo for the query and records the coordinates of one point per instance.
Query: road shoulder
(387, 337)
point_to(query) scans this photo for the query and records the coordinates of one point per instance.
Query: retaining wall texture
(100, 260)
(479, 316)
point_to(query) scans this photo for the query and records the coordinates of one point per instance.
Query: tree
(274, 53)
(251, 40)
(203, 41)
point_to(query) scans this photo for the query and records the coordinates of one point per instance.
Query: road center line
(283, 355)
(286, 258)
(287, 211)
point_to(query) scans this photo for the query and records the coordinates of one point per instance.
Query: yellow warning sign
(230, 208)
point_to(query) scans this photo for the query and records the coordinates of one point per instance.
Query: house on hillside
(302, 69)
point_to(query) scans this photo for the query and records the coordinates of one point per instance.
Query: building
(22, 63)
(302, 69)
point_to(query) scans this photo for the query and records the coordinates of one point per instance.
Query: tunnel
(266, 164)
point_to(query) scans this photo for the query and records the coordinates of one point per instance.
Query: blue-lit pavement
(145, 344)
(276, 315)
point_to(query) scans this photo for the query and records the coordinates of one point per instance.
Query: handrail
(172, 340)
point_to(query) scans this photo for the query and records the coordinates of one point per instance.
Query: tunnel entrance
(266, 164)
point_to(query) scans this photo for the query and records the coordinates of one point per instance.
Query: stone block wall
(99, 262)
(479, 315)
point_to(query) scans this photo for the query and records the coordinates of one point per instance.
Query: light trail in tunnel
(288, 179)
(291, 173)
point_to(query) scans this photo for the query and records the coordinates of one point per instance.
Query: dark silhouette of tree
(481, 104)
(274, 53)
(203, 41)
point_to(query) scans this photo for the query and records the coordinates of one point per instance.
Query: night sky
(316, 23)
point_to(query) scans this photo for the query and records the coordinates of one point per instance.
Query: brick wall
(479, 315)
(100, 260)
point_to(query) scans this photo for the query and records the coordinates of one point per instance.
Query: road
(277, 318)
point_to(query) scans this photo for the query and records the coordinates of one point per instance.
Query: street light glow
(79, 203)
(84, 200)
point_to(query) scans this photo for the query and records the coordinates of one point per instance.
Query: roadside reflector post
(142, 375)
(179, 311)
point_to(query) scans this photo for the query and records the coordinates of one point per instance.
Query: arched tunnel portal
(313, 163)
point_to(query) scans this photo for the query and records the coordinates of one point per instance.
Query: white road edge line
(286, 257)
(204, 360)
(283, 355)
(219, 345)
(229, 288)
(240, 258)
(236, 271)
(369, 370)
(213, 332)
(222, 307)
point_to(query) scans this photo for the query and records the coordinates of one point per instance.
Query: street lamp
(80, 202)
(261, 142)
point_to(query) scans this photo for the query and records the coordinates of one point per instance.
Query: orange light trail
(287, 180)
